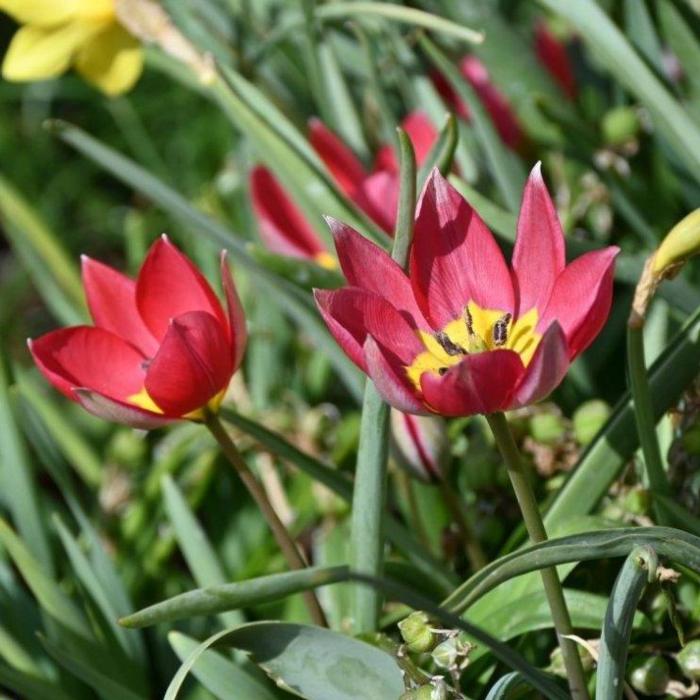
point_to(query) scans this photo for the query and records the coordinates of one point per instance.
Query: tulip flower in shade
(161, 348)
(553, 56)
(462, 333)
(84, 34)
(284, 229)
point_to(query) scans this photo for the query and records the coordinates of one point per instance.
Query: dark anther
(468, 320)
(442, 371)
(500, 330)
(448, 346)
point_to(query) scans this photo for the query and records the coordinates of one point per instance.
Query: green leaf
(508, 687)
(18, 480)
(505, 168)
(607, 454)
(682, 41)
(233, 596)
(29, 686)
(194, 544)
(19, 219)
(442, 151)
(398, 13)
(77, 451)
(314, 663)
(612, 50)
(218, 674)
(675, 544)
(50, 596)
(291, 299)
(638, 569)
(86, 667)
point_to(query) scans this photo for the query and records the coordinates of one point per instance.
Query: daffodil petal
(37, 53)
(41, 13)
(112, 60)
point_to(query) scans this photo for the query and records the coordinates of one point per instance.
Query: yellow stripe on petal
(41, 13)
(112, 60)
(37, 53)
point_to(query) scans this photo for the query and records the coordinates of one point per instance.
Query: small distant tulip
(552, 53)
(462, 333)
(284, 229)
(421, 444)
(161, 348)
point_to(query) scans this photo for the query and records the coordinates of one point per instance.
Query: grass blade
(638, 569)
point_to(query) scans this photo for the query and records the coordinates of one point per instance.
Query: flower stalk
(535, 528)
(289, 548)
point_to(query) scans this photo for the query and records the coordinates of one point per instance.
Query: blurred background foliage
(110, 520)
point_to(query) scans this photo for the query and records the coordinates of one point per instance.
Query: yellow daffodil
(59, 34)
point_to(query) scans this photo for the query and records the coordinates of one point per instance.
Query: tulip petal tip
(164, 237)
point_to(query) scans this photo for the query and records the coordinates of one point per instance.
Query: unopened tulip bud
(589, 418)
(417, 631)
(649, 675)
(680, 243)
(619, 126)
(689, 660)
(421, 445)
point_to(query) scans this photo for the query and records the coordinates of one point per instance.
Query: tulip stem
(289, 548)
(644, 413)
(535, 528)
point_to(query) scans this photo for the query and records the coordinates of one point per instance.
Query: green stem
(284, 539)
(644, 413)
(535, 528)
(368, 502)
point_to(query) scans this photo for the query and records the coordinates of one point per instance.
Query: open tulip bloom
(161, 348)
(462, 333)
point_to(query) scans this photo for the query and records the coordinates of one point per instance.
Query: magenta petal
(169, 285)
(538, 256)
(378, 196)
(422, 134)
(352, 314)
(480, 383)
(546, 370)
(389, 378)
(582, 297)
(369, 267)
(454, 258)
(119, 411)
(111, 297)
(344, 166)
(93, 358)
(282, 226)
(192, 365)
(236, 316)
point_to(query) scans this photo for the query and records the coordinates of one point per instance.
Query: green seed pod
(127, 448)
(689, 660)
(447, 654)
(619, 126)
(556, 662)
(691, 439)
(589, 418)
(425, 692)
(416, 631)
(547, 428)
(649, 675)
(679, 244)
(637, 502)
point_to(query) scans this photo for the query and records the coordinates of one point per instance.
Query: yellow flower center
(143, 399)
(479, 330)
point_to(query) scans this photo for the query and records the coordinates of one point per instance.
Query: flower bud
(637, 501)
(452, 652)
(588, 419)
(127, 448)
(689, 660)
(421, 445)
(425, 692)
(680, 243)
(547, 428)
(619, 126)
(556, 661)
(649, 675)
(417, 631)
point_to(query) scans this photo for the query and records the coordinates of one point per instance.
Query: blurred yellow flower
(59, 34)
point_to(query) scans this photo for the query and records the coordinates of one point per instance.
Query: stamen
(500, 330)
(469, 320)
(442, 371)
(448, 346)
